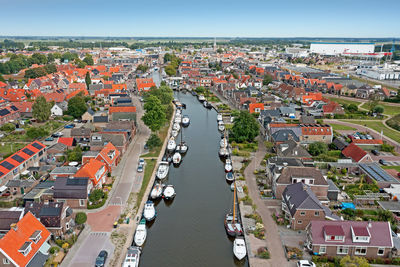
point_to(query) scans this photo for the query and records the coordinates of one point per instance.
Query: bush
(54, 250)
(96, 195)
(67, 118)
(59, 242)
(80, 218)
(387, 148)
(154, 141)
(8, 127)
(317, 148)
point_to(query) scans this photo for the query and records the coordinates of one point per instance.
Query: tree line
(173, 65)
(40, 71)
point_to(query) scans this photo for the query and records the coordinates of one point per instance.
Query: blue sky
(208, 18)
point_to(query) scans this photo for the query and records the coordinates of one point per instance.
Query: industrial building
(379, 74)
(341, 48)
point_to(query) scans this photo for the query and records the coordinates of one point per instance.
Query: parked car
(69, 126)
(101, 258)
(375, 152)
(49, 139)
(141, 161)
(140, 168)
(57, 134)
(383, 162)
(369, 137)
(305, 263)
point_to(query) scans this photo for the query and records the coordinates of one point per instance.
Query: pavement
(100, 222)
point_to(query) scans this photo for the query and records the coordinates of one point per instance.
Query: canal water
(190, 230)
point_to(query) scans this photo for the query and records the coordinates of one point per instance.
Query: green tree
(348, 261)
(317, 148)
(170, 70)
(220, 51)
(142, 68)
(96, 195)
(153, 141)
(372, 104)
(75, 154)
(80, 218)
(2, 79)
(352, 108)
(245, 127)
(154, 116)
(163, 93)
(8, 127)
(76, 106)
(88, 60)
(379, 109)
(41, 109)
(88, 81)
(267, 79)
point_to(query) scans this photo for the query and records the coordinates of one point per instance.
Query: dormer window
(36, 236)
(25, 248)
(360, 234)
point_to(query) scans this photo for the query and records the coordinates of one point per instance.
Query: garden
(97, 199)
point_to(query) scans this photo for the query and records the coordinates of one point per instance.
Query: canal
(190, 230)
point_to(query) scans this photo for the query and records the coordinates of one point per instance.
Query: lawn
(389, 110)
(397, 168)
(148, 171)
(339, 127)
(379, 126)
(9, 148)
(344, 101)
(162, 134)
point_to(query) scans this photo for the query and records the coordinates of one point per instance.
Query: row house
(73, 192)
(9, 113)
(108, 155)
(95, 170)
(311, 133)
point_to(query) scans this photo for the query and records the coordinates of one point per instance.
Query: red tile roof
(90, 169)
(354, 152)
(17, 237)
(68, 141)
(368, 141)
(112, 110)
(109, 154)
(253, 106)
(144, 84)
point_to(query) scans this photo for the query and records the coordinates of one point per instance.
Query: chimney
(369, 223)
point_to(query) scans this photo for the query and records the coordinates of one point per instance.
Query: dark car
(101, 259)
(49, 139)
(140, 168)
(383, 162)
(375, 152)
(69, 126)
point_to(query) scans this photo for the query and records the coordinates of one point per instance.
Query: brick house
(311, 133)
(301, 205)
(73, 192)
(354, 238)
(95, 170)
(306, 175)
(356, 153)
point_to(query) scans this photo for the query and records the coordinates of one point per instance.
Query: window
(381, 251)
(360, 251)
(81, 202)
(316, 213)
(342, 250)
(299, 222)
(322, 249)
(6, 261)
(303, 213)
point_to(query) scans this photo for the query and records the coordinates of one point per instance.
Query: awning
(3, 188)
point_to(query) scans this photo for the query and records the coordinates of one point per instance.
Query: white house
(56, 110)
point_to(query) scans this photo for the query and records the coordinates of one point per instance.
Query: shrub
(153, 141)
(54, 250)
(59, 242)
(80, 218)
(96, 195)
(8, 127)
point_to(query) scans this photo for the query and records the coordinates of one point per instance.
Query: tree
(2, 79)
(170, 70)
(96, 195)
(8, 127)
(378, 109)
(372, 104)
(267, 79)
(348, 261)
(88, 60)
(317, 148)
(41, 109)
(88, 81)
(153, 141)
(164, 94)
(75, 154)
(80, 218)
(219, 51)
(245, 127)
(76, 106)
(154, 117)
(142, 68)
(352, 108)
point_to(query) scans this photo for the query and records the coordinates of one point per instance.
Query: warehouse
(341, 48)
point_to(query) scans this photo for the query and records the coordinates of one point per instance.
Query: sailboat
(162, 170)
(169, 192)
(149, 212)
(171, 144)
(223, 152)
(176, 158)
(156, 192)
(239, 248)
(182, 146)
(141, 233)
(232, 224)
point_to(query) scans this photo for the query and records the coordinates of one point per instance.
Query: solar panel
(76, 181)
(14, 108)
(1, 173)
(7, 165)
(18, 158)
(36, 145)
(28, 151)
(4, 112)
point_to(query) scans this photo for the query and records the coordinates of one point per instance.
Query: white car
(305, 263)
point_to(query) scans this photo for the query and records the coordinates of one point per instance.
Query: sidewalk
(272, 238)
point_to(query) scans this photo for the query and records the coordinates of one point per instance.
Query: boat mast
(234, 200)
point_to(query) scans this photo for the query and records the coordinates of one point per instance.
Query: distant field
(379, 126)
(339, 127)
(344, 101)
(389, 110)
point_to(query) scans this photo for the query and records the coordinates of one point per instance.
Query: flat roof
(377, 173)
(342, 43)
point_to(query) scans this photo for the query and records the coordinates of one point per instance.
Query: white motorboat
(178, 119)
(176, 158)
(141, 233)
(176, 127)
(178, 148)
(174, 133)
(183, 148)
(185, 121)
(156, 192)
(221, 128)
(223, 142)
(219, 117)
(223, 152)
(178, 112)
(205, 103)
(171, 145)
(132, 257)
(162, 170)
(228, 165)
(201, 98)
(239, 248)
(149, 212)
(229, 177)
(169, 192)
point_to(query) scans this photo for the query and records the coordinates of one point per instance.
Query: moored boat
(228, 165)
(219, 117)
(171, 145)
(223, 142)
(221, 127)
(174, 133)
(132, 257)
(239, 248)
(169, 192)
(231, 222)
(156, 192)
(178, 119)
(176, 127)
(185, 121)
(223, 152)
(176, 158)
(201, 98)
(229, 177)
(140, 233)
(149, 212)
(162, 170)
(183, 148)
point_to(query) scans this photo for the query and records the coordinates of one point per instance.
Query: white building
(379, 74)
(341, 48)
(56, 110)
